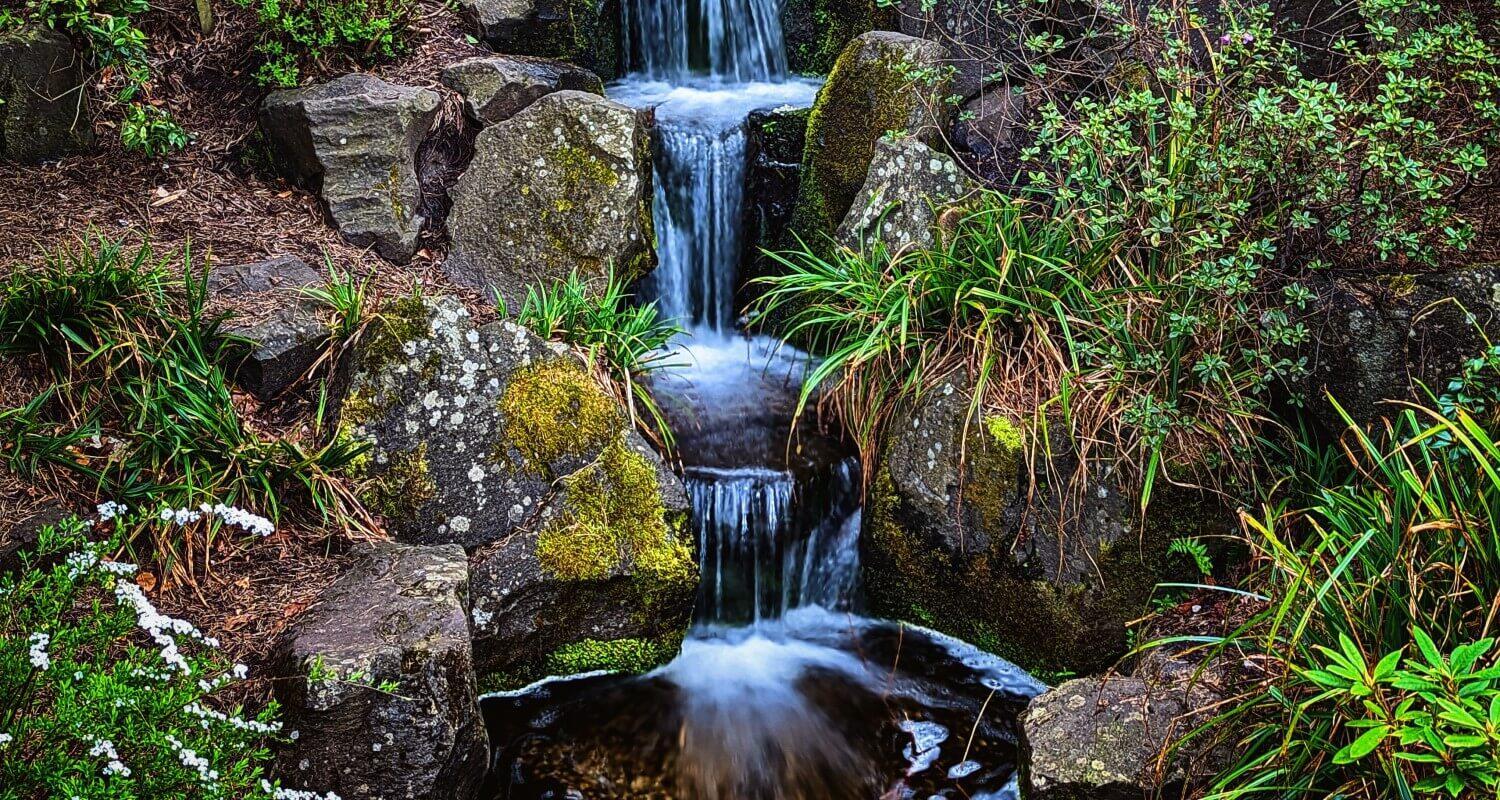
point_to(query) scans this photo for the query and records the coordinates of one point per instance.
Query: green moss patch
(554, 409)
(615, 655)
(403, 487)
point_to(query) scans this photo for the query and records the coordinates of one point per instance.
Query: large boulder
(494, 88)
(960, 535)
(909, 185)
(882, 82)
(1112, 738)
(583, 32)
(383, 696)
(354, 141)
(43, 113)
(488, 437)
(562, 186)
(817, 31)
(1380, 339)
(283, 342)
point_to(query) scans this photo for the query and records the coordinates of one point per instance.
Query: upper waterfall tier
(737, 40)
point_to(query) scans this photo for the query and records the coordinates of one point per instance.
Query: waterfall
(769, 543)
(733, 40)
(700, 181)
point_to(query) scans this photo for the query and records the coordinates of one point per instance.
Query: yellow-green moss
(404, 486)
(616, 655)
(613, 516)
(554, 409)
(402, 320)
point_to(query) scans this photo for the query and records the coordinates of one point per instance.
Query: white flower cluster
(162, 628)
(109, 510)
(208, 716)
(294, 794)
(6, 739)
(104, 748)
(39, 657)
(207, 775)
(229, 515)
(87, 560)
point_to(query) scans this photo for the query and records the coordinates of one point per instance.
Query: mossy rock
(883, 82)
(817, 31)
(971, 545)
(43, 108)
(582, 32)
(563, 186)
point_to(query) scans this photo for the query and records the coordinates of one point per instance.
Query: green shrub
(111, 30)
(140, 364)
(1379, 634)
(629, 340)
(303, 32)
(102, 696)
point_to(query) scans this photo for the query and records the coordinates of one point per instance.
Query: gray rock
(1379, 339)
(909, 185)
(983, 37)
(282, 347)
(871, 92)
(383, 696)
(21, 534)
(43, 113)
(563, 185)
(583, 32)
(282, 273)
(1042, 571)
(486, 436)
(494, 88)
(1103, 739)
(354, 141)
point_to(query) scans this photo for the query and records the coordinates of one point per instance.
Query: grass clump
(100, 696)
(137, 362)
(626, 341)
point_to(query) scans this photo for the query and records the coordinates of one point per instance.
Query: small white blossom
(6, 739)
(39, 657)
(294, 794)
(109, 510)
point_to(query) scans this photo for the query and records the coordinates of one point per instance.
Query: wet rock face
(563, 185)
(1380, 339)
(583, 32)
(1103, 739)
(285, 344)
(775, 139)
(354, 141)
(817, 31)
(908, 186)
(1045, 575)
(489, 437)
(877, 86)
(42, 110)
(385, 700)
(494, 88)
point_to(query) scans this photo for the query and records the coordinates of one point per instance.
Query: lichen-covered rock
(282, 273)
(354, 141)
(563, 185)
(1104, 739)
(959, 536)
(583, 32)
(284, 343)
(494, 88)
(909, 185)
(816, 31)
(486, 436)
(1378, 339)
(882, 82)
(383, 695)
(43, 109)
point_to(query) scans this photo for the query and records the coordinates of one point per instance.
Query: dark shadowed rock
(990, 133)
(816, 31)
(563, 185)
(775, 139)
(21, 534)
(983, 37)
(958, 535)
(908, 187)
(354, 141)
(383, 696)
(877, 86)
(486, 436)
(43, 113)
(1379, 339)
(583, 32)
(494, 88)
(1104, 739)
(282, 273)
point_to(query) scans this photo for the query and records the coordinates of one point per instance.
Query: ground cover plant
(297, 33)
(141, 405)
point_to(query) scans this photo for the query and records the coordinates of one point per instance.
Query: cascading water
(781, 691)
